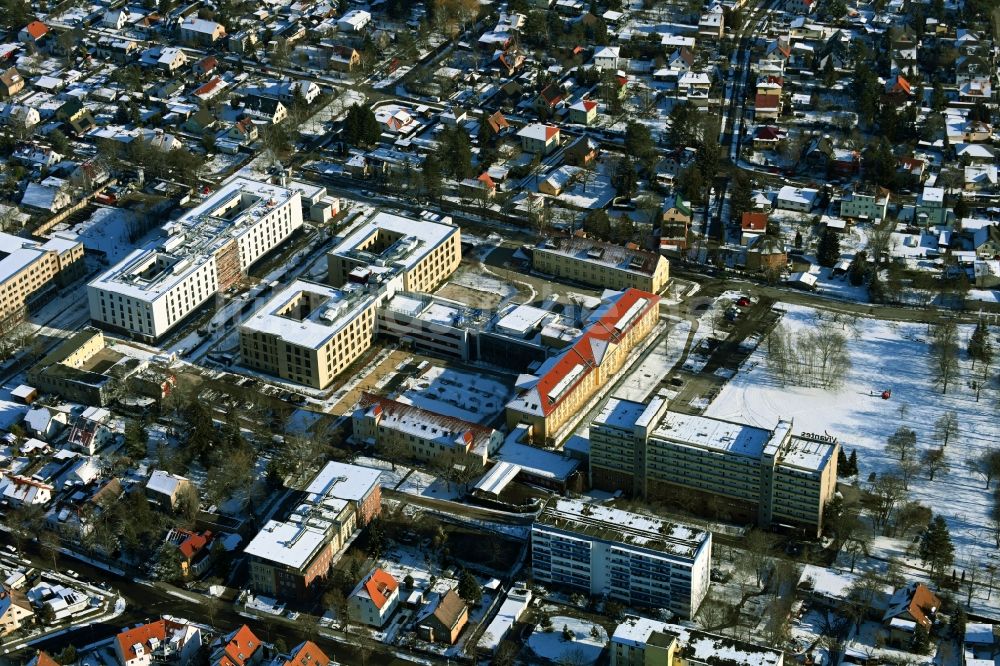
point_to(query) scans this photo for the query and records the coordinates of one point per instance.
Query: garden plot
(464, 395)
(585, 646)
(884, 356)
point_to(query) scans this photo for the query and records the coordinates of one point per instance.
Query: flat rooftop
(193, 239)
(808, 452)
(417, 239)
(17, 253)
(616, 526)
(640, 262)
(343, 481)
(619, 413)
(708, 433)
(287, 543)
(309, 314)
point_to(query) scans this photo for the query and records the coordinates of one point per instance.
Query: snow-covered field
(583, 649)
(884, 355)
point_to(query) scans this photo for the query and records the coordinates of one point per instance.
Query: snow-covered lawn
(426, 485)
(884, 355)
(107, 230)
(553, 646)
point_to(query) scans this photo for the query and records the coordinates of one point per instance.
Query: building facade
(28, 269)
(565, 383)
(207, 251)
(770, 476)
(423, 435)
(870, 206)
(639, 560)
(423, 251)
(601, 264)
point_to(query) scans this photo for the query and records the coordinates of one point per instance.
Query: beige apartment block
(27, 268)
(423, 251)
(735, 470)
(602, 264)
(309, 332)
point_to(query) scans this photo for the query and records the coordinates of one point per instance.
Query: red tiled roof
(307, 654)
(194, 543)
(551, 132)
(485, 179)
(37, 29)
(241, 647)
(127, 640)
(768, 133)
(43, 659)
(210, 86)
(766, 101)
(582, 352)
(380, 586)
(207, 64)
(754, 222)
(589, 104)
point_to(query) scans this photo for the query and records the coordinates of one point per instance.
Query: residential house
(558, 180)
(975, 153)
(205, 67)
(354, 21)
(675, 221)
(157, 642)
(909, 607)
(19, 116)
(446, 621)
(640, 641)
(42, 659)
(930, 209)
(583, 112)
(115, 18)
(14, 610)
(608, 57)
(753, 222)
(802, 199)
(23, 491)
(766, 137)
(712, 23)
(76, 117)
(986, 241)
(42, 157)
(538, 138)
(239, 648)
(91, 430)
(195, 550)
(581, 152)
(201, 32)
(766, 253)
(265, 108)
(694, 85)
(375, 599)
(166, 490)
(45, 423)
(865, 204)
(898, 92)
(344, 58)
(304, 654)
(980, 177)
(51, 195)
(34, 34)
(481, 187)
(171, 59)
(550, 98)
(497, 123)
(11, 82)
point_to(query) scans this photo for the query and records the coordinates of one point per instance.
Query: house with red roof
(564, 384)
(195, 549)
(33, 34)
(550, 97)
(909, 607)
(583, 112)
(42, 659)
(240, 648)
(898, 92)
(155, 642)
(538, 138)
(304, 654)
(767, 137)
(476, 188)
(753, 222)
(375, 599)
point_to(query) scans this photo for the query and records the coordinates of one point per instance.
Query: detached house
(171, 59)
(15, 609)
(165, 489)
(11, 83)
(538, 138)
(375, 599)
(34, 34)
(265, 108)
(155, 642)
(608, 57)
(446, 621)
(240, 648)
(910, 606)
(583, 112)
(22, 491)
(200, 32)
(344, 58)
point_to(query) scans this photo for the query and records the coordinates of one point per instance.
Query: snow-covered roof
(163, 482)
(342, 481)
(697, 646)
